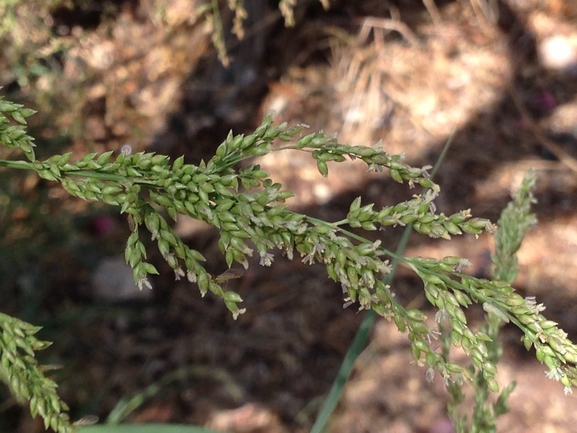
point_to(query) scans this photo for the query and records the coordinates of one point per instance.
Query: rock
(558, 53)
(113, 281)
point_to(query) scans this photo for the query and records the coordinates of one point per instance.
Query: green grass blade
(127, 405)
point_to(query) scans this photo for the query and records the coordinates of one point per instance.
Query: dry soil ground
(391, 71)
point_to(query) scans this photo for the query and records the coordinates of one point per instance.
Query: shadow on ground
(479, 80)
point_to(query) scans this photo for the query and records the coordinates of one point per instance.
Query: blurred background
(500, 75)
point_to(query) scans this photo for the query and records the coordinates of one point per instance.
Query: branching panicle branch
(248, 208)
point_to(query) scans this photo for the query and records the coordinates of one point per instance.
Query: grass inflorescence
(249, 210)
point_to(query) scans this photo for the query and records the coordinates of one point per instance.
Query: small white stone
(113, 281)
(556, 52)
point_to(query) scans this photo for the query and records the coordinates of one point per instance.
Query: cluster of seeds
(21, 372)
(14, 135)
(249, 210)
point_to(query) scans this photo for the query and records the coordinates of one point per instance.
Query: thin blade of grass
(443, 154)
(127, 405)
